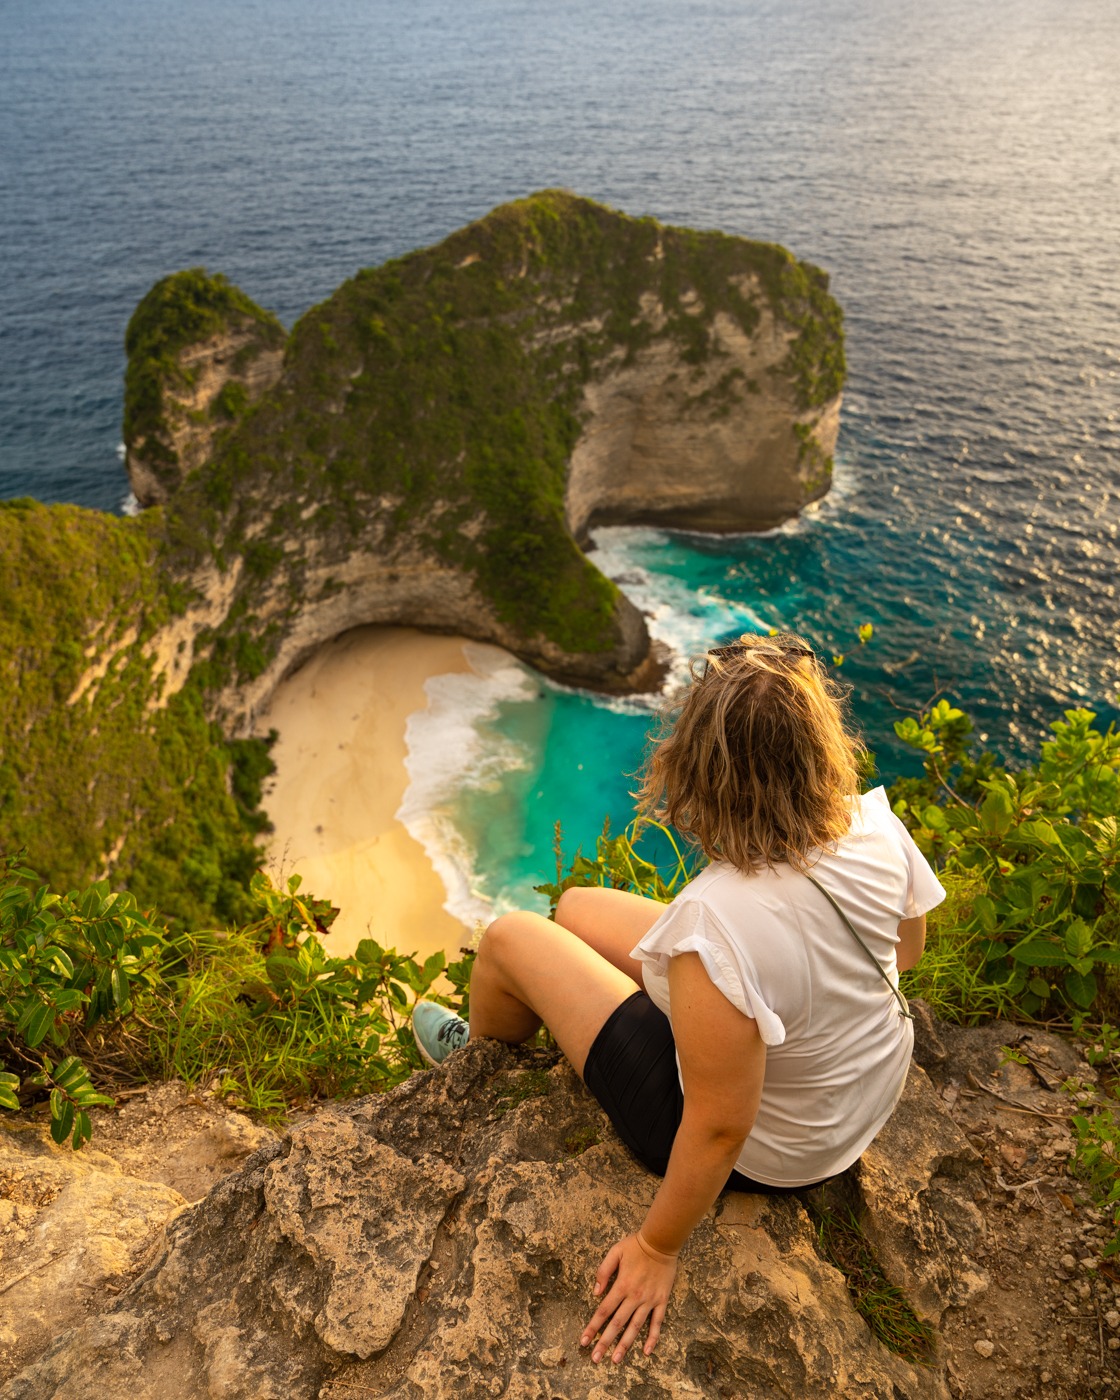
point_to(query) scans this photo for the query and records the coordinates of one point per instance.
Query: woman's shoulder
(729, 893)
(871, 811)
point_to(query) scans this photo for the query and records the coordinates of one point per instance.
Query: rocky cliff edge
(441, 1240)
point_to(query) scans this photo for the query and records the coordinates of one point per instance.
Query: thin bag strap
(903, 1009)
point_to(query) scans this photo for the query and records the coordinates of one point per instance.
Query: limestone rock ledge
(441, 1241)
(77, 1227)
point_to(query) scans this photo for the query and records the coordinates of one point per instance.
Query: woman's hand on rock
(643, 1279)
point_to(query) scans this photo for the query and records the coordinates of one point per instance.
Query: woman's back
(837, 1048)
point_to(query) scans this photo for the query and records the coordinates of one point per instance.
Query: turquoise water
(574, 758)
(954, 166)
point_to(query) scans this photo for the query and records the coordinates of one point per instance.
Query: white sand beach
(340, 776)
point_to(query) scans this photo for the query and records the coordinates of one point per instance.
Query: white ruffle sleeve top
(837, 1050)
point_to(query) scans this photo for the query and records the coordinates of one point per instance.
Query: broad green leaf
(36, 1021)
(984, 913)
(433, 966)
(369, 952)
(88, 903)
(59, 960)
(83, 1129)
(1078, 938)
(61, 1125)
(944, 713)
(1040, 831)
(1108, 833)
(1036, 953)
(1081, 989)
(1039, 987)
(86, 1096)
(70, 1073)
(997, 812)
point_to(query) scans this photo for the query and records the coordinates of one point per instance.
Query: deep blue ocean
(954, 166)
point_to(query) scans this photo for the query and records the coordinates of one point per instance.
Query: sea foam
(450, 748)
(684, 619)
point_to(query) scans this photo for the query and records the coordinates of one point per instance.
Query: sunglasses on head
(782, 644)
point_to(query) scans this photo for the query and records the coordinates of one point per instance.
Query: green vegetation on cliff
(96, 777)
(1031, 860)
(89, 982)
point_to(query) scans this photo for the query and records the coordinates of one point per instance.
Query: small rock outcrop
(200, 353)
(441, 1240)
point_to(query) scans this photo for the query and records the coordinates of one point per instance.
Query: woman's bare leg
(529, 970)
(610, 921)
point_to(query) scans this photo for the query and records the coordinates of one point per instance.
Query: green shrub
(66, 962)
(263, 1012)
(276, 1020)
(617, 864)
(1032, 856)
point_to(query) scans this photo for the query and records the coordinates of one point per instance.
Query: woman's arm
(722, 1064)
(911, 942)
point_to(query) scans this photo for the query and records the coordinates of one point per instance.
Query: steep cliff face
(445, 429)
(727, 445)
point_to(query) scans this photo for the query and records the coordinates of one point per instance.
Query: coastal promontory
(429, 447)
(435, 440)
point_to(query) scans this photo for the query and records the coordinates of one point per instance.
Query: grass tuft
(881, 1304)
(951, 975)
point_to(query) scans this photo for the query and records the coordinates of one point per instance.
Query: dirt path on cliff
(1049, 1322)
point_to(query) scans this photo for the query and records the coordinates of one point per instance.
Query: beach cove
(341, 779)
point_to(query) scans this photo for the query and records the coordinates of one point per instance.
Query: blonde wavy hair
(756, 764)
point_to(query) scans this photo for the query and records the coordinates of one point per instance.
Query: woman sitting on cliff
(750, 1034)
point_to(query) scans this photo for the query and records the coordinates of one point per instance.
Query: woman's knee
(504, 936)
(574, 905)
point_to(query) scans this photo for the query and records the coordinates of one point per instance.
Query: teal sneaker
(437, 1031)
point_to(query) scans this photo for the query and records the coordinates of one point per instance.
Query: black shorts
(631, 1069)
